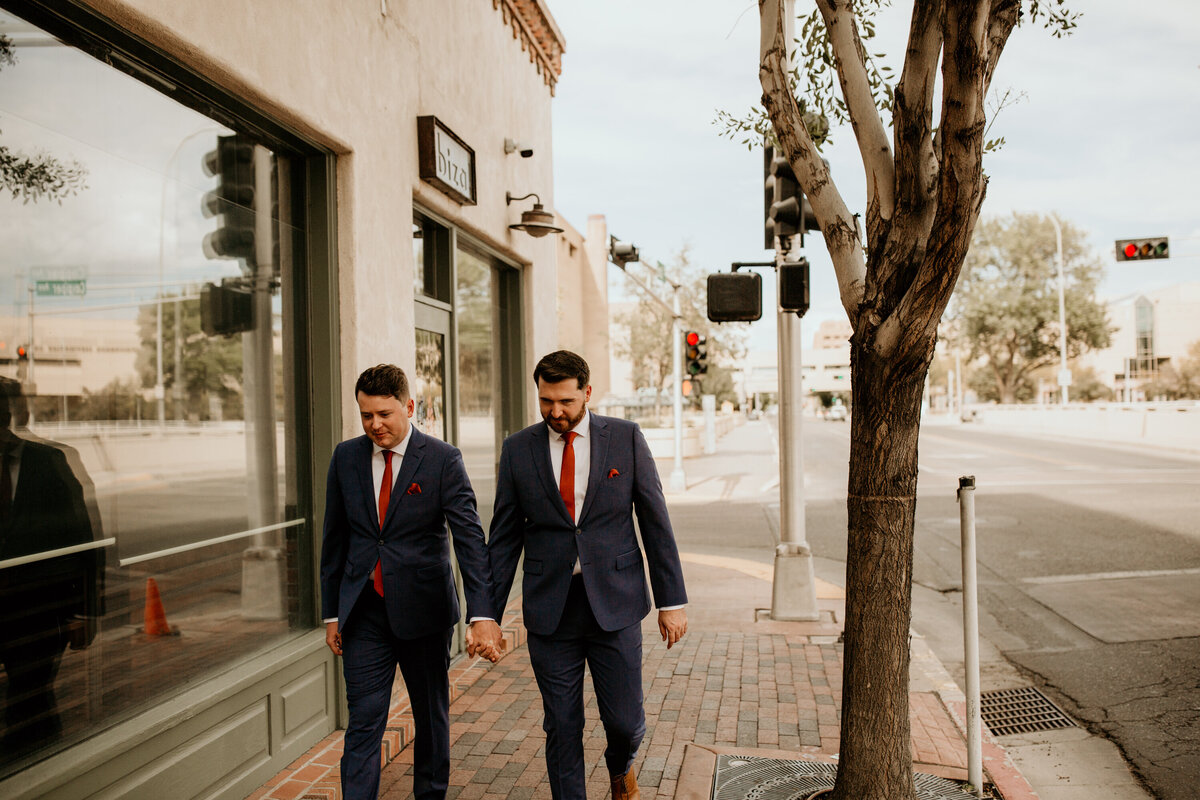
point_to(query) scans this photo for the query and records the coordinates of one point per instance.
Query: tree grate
(1024, 710)
(752, 778)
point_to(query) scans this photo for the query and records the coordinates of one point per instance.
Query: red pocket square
(414, 489)
(612, 473)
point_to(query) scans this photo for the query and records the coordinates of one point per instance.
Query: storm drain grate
(752, 778)
(1024, 710)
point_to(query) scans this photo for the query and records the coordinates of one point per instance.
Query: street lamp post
(1064, 375)
(621, 254)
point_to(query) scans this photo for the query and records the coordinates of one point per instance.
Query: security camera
(513, 146)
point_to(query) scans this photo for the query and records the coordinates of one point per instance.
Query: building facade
(216, 217)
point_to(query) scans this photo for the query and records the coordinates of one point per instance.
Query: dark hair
(562, 365)
(382, 380)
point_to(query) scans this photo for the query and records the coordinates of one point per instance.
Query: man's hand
(485, 639)
(333, 638)
(672, 625)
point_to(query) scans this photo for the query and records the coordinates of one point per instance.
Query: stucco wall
(361, 76)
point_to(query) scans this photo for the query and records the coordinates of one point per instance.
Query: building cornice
(534, 28)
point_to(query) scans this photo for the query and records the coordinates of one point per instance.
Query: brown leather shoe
(625, 787)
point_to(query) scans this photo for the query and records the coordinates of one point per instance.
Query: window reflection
(478, 373)
(429, 384)
(146, 385)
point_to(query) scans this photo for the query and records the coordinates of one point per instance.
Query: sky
(1103, 134)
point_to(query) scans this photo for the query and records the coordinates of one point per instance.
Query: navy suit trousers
(615, 661)
(370, 653)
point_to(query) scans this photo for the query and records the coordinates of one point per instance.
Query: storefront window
(147, 450)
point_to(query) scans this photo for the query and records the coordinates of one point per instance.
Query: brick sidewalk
(758, 688)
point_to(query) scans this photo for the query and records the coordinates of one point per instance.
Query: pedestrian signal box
(734, 296)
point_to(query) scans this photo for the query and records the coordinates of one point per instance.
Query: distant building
(1153, 330)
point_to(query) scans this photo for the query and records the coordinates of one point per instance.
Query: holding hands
(484, 639)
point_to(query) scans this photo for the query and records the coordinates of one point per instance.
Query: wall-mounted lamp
(537, 222)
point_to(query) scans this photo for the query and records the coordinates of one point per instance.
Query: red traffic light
(1143, 249)
(692, 338)
(22, 352)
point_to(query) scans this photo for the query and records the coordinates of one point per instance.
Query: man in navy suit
(387, 587)
(567, 493)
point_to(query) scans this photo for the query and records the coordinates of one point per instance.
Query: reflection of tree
(475, 341)
(427, 384)
(212, 366)
(40, 175)
(116, 401)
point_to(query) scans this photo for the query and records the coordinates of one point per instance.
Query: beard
(561, 426)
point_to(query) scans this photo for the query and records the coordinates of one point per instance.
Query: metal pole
(1064, 378)
(678, 479)
(966, 510)
(794, 591)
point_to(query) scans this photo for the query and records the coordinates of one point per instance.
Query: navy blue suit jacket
(431, 490)
(530, 516)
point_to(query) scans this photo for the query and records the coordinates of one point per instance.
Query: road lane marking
(1111, 576)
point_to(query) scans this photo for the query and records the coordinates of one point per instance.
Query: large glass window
(147, 366)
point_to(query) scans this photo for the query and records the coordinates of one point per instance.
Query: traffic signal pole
(793, 591)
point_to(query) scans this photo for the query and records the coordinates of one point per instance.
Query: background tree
(1006, 303)
(33, 177)
(211, 365)
(1178, 379)
(923, 199)
(649, 337)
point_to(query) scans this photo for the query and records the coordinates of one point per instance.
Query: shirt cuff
(327, 621)
(671, 608)
(473, 620)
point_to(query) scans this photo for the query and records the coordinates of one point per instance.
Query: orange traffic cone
(155, 617)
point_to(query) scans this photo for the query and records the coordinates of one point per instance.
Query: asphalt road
(1089, 571)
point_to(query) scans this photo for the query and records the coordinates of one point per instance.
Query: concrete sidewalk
(737, 684)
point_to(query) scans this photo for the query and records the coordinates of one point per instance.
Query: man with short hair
(566, 496)
(387, 587)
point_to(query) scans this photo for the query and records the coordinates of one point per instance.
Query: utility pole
(1064, 374)
(621, 253)
(794, 591)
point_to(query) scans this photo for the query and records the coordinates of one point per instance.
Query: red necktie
(385, 495)
(566, 478)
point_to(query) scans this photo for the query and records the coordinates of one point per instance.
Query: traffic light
(225, 310)
(793, 286)
(695, 354)
(787, 211)
(22, 353)
(1143, 249)
(232, 163)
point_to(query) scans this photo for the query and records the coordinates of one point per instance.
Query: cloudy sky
(1103, 135)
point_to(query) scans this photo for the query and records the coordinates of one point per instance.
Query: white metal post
(966, 510)
(794, 591)
(1064, 376)
(678, 480)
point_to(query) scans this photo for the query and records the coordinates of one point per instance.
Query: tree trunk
(875, 762)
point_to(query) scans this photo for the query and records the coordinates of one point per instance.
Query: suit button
(578, 532)
(381, 542)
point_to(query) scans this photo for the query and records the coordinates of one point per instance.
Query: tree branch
(912, 116)
(836, 221)
(869, 131)
(1001, 20)
(961, 183)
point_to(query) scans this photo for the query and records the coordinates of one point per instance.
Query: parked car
(837, 413)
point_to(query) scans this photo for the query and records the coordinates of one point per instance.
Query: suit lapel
(545, 468)
(408, 469)
(599, 446)
(366, 480)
